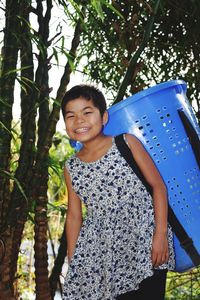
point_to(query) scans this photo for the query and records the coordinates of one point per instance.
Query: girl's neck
(95, 149)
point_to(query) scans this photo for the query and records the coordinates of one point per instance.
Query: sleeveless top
(113, 250)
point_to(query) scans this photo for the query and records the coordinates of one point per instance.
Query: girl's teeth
(80, 130)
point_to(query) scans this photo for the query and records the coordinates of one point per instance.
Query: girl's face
(83, 120)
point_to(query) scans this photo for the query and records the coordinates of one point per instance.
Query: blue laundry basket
(154, 116)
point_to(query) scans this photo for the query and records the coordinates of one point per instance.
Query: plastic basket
(153, 116)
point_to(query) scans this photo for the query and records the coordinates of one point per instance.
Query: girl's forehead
(79, 103)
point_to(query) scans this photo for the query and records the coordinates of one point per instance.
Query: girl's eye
(69, 116)
(88, 112)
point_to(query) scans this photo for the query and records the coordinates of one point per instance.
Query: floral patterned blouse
(113, 250)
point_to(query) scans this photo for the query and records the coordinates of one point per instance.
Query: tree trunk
(7, 82)
(58, 264)
(18, 209)
(39, 194)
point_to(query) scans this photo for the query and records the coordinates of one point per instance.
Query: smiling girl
(123, 248)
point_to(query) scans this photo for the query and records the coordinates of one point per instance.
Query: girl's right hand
(160, 251)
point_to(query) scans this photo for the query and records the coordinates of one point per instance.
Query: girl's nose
(79, 119)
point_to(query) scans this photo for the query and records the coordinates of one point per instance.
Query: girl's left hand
(160, 251)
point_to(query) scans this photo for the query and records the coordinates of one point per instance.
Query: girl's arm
(160, 244)
(73, 218)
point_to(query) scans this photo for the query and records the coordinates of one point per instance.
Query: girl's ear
(105, 117)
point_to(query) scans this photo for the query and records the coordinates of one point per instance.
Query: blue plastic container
(153, 117)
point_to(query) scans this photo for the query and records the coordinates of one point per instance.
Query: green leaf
(55, 101)
(17, 183)
(70, 58)
(14, 71)
(26, 83)
(5, 103)
(2, 125)
(31, 218)
(98, 7)
(111, 7)
(77, 9)
(55, 53)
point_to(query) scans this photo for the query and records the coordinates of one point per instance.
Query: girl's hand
(160, 252)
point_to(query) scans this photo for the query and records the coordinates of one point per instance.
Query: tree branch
(133, 61)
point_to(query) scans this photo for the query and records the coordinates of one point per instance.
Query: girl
(123, 248)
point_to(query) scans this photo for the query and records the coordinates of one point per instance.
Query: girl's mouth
(81, 130)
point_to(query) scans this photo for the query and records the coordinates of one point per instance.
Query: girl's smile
(81, 130)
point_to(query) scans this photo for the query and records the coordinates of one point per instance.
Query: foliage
(183, 286)
(25, 284)
(113, 42)
(174, 49)
(172, 52)
(57, 196)
(59, 152)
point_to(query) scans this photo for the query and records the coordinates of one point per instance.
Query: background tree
(7, 82)
(172, 51)
(30, 179)
(174, 48)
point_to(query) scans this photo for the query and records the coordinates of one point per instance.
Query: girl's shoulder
(70, 160)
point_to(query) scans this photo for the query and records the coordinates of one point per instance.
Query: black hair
(89, 93)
